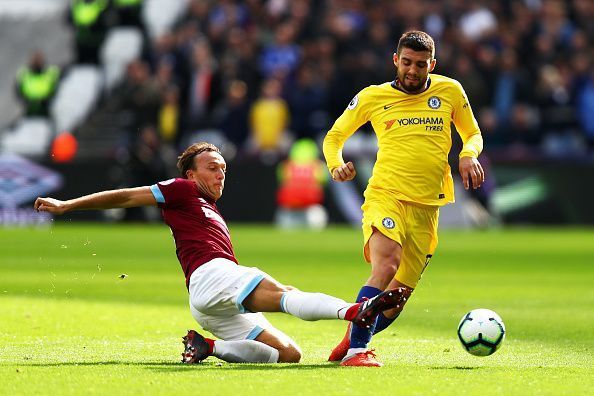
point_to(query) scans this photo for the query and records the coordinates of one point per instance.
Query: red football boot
(369, 309)
(362, 359)
(340, 351)
(196, 348)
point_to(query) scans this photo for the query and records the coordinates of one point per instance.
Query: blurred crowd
(259, 74)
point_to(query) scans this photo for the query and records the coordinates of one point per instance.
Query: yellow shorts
(413, 226)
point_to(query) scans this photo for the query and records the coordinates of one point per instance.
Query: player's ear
(395, 59)
(432, 65)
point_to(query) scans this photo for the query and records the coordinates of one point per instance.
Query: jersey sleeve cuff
(467, 154)
(157, 194)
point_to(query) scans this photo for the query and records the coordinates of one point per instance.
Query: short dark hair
(416, 40)
(185, 161)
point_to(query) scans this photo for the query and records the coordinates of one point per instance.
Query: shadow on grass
(243, 367)
(106, 363)
(168, 366)
(456, 368)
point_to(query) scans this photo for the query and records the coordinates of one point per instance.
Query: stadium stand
(78, 93)
(122, 46)
(29, 136)
(41, 25)
(211, 59)
(24, 26)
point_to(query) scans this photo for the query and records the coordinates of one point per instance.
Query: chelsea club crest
(388, 222)
(434, 102)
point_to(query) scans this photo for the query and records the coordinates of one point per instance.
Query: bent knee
(289, 354)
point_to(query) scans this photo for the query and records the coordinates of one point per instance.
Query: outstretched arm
(123, 198)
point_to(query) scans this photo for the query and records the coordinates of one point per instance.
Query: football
(481, 332)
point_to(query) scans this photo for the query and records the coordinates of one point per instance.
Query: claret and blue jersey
(199, 230)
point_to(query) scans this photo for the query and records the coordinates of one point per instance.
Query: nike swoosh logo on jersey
(386, 107)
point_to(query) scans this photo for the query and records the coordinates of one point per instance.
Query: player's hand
(345, 172)
(471, 170)
(51, 205)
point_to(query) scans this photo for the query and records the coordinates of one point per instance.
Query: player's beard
(410, 87)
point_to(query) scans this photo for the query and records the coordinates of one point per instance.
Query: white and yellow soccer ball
(481, 332)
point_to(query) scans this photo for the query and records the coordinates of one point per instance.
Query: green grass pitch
(70, 324)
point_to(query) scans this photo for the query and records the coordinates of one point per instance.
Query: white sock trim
(353, 351)
(341, 313)
(283, 302)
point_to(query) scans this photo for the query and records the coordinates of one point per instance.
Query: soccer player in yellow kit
(411, 178)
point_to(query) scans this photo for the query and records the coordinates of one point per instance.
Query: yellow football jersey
(414, 138)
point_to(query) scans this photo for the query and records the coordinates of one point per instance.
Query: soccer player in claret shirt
(225, 298)
(411, 178)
